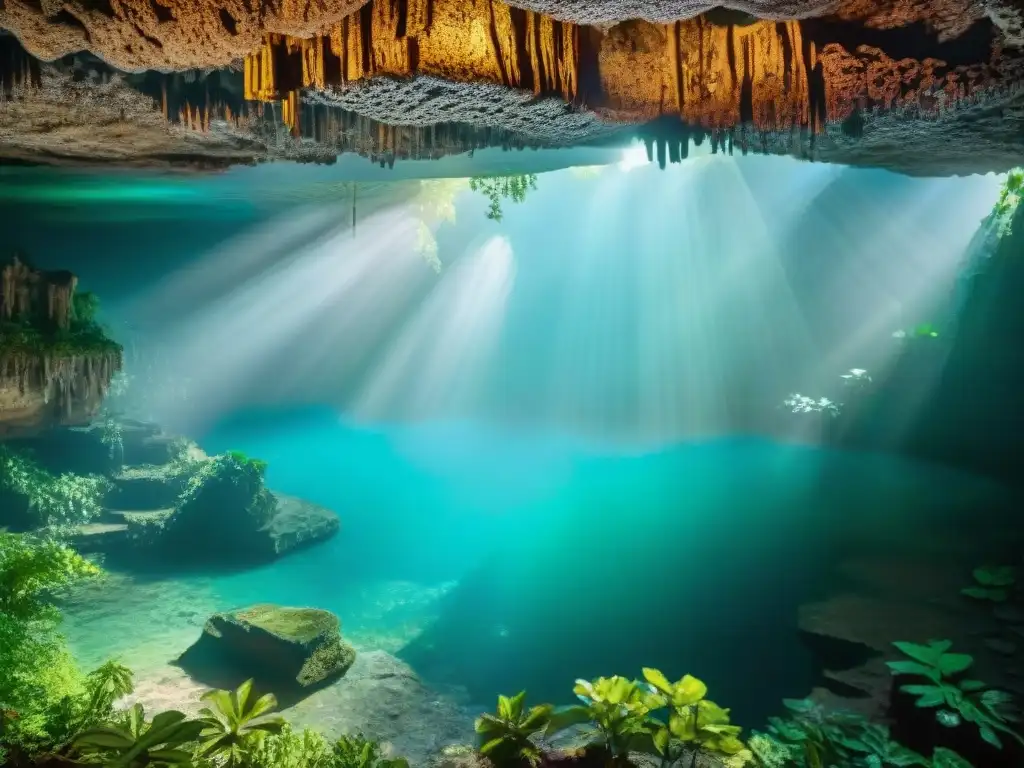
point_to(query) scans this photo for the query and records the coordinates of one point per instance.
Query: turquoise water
(493, 560)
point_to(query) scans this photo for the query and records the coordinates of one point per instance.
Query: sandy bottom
(146, 624)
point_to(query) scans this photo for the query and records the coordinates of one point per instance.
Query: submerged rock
(290, 651)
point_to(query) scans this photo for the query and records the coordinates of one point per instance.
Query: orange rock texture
(768, 74)
(134, 35)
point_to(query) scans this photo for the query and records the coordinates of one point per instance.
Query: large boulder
(225, 514)
(290, 651)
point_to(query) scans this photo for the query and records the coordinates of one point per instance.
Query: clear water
(537, 532)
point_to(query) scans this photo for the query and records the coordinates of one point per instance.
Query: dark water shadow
(703, 572)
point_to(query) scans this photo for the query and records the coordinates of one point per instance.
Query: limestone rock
(55, 367)
(296, 523)
(226, 515)
(134, 35)
(290, 651)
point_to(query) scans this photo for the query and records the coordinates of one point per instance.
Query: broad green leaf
(491, 745)
(1000, 576)
(504, 707)
(517, 706)
(951, 663)
(931, 697)
(990, 736)
(912, 668)
(567, 718)
(986, 593)
(537, 717)
(661, 738)
(947, 758)
(657, 679)
(688, 691)
(926, 654)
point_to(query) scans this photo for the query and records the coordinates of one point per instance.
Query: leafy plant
(955, 698)
(991, 583)
(358, 752)
(814, 736)
(694, 723)
(616, 710)
(947, 758)
(230, 721)
(56, 501)
(506, 736)
(497, 188)
(291, 749)
(138, 744)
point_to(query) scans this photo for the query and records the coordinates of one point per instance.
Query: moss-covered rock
(223, 512)
(290, 651)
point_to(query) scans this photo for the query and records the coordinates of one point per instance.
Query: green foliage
(1009, 199)
(309, 749)
(257, 466)
(694, 723)
(291, 749)
(41, 690)
(56, 501)
(140, 744)
(85, 307)
(231, 722)
(505, 737)
(814, 737)
(955, 698)
(498, 188)
(30, 570)
(616, 711)
(357, 752)
(992, 583)
(947, 758)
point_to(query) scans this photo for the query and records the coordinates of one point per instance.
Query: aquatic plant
(291, 749)
(506, 737)
(1009, 199)
(358, 752)
(615, 711)
(39, 682)
(991, 583)
(56, 501)
(694, 723)
(498, 188)
(256, 465)
(230, 721)
(140, 744)
(811, 733)
(955, 699)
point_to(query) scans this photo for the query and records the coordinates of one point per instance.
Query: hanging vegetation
(51, 344)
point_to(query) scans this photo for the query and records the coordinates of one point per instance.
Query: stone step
(146, 488)
(98, 537)
(128, 516)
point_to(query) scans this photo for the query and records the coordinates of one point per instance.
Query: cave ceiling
(922, 87)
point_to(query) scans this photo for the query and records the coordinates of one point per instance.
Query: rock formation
(55, 363)
(290, 651)
(800, 73)
(167, 502)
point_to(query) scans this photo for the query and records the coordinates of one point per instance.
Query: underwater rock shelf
(56, 362)
(290, 651)
(162, 501)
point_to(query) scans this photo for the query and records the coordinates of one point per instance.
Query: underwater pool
(491, 559)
